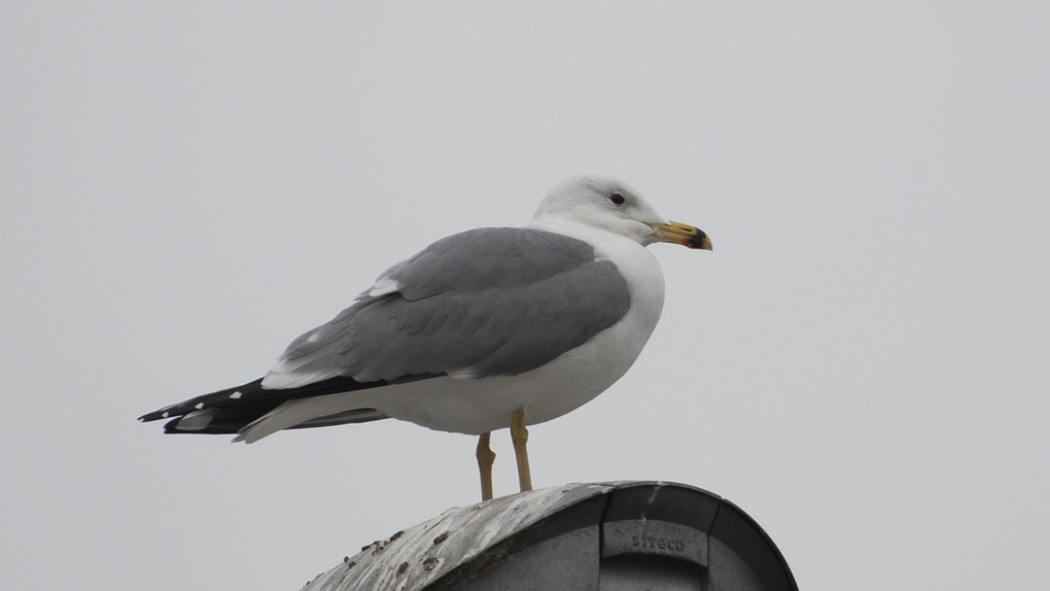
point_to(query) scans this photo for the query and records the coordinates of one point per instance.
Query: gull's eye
(617, 199)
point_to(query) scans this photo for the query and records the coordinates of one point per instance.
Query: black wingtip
(155, 415)
(150, 416)
(169, 427)
(233, 408)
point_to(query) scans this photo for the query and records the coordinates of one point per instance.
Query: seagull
(487, 329)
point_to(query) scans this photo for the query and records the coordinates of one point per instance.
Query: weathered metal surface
(416, 557)
(577, 537)
(566, 562)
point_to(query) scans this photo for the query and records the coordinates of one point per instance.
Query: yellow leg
(486, 457)
(519, 435)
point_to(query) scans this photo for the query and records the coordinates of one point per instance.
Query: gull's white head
(609, 204)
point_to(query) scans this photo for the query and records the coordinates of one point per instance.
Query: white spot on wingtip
(236, 395)
(164, 415)
(199, 405)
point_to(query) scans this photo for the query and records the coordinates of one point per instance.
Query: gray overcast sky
(862, 363)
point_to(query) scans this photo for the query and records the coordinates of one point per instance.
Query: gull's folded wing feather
(487, 302)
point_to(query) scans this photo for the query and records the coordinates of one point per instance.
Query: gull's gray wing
(486, 302)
